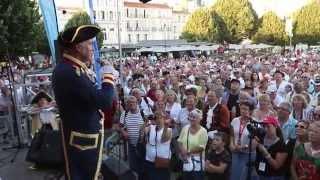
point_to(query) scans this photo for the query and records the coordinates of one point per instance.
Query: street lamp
(120, 47)
(288, 29)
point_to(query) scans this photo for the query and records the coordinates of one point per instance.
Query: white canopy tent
(191, 47)
(179, 48)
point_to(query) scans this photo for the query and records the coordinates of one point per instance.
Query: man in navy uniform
(80, 103)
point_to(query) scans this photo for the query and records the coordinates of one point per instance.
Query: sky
(281, 7)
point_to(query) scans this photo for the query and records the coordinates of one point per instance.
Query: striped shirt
(133, 123)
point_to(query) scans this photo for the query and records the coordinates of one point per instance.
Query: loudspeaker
(144, 1)
(115, 169)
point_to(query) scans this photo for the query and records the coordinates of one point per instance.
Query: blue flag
(89, 9)
(48, 11)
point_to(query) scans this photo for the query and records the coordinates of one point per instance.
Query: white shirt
(183, 117)
(210, 116)
(281, 90)
(244, 139)
(155, 147)
(278, 100)
(174, 111)
(242, 83)
(306, 114)
(126, 90)
(314, 99)
(147, 109)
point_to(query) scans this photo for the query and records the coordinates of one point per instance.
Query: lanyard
(241, 129)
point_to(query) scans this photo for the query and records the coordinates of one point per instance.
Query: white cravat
(47, 117)
(210, 116)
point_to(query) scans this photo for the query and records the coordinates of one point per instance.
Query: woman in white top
(239, 141)
(172, 106)
(301, 111)
(158, 149)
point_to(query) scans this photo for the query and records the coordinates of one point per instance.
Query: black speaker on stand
(144, 1)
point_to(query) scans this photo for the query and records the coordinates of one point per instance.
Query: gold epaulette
(77, 69)
(108, 78)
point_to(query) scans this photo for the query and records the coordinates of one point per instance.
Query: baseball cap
(271, 120)
(235, 80)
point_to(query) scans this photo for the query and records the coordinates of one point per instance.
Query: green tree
(41, 40)
(239, 17)
(82, 18)
(271, 30)
(306, 28)
(203, 25)
(188, 36)
(18, 21)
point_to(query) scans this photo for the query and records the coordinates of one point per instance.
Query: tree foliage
(41, 40)
(307, 24)
(204, 25)
(19, 20)
(82, 18)
(271, 30)
(239, 17)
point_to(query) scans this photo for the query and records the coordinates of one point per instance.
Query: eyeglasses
(300, 126)
(283, 109)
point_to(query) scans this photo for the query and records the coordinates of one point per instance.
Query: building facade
(179, 18)
(105, 13)
(64, 14)
(138, 21)
(147, 22)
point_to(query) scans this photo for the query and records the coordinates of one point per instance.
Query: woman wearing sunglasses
(271, 152)
(302, 132)
(306, 159)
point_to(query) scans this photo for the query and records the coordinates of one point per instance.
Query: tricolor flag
(48, 11)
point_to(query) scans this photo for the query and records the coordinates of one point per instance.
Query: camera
(151, 118)
(256, 130)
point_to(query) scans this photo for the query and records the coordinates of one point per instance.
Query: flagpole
(119, 44)
(55, 9)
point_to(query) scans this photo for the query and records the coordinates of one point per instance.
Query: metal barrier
(115, 146)
(6, 124)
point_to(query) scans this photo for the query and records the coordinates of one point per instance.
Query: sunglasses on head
(283, 109)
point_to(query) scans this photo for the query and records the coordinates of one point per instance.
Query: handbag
(46, 147)
(160, 162)
(194, 162)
